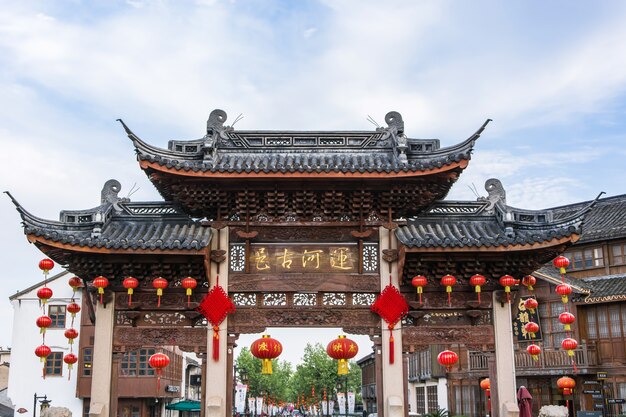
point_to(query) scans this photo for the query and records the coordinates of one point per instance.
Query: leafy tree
(274, 385)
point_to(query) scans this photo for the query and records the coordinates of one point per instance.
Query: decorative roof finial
(394, 119)
(216, 121)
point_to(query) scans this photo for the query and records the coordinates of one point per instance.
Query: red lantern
(71, 334)
(566, 384)
(100, 283)
(561, 262)
(70, 359)
(447, 358)
(42, 351)
(189, 284)
(342, 349)
(73, 308)
(130, 284)
(563, 290)
(419, 282)
(531, 328)
(159, 361)
(46, 265)
(266, 349)
(75, 283)
(44, 294)
(534, 351)
(43, 323)
(529, 281)
(507, 282)
(485, 384)
(477, 281)
(159, 283)
(569, 345)
(448, 281)
(531, 304)
(566, 319)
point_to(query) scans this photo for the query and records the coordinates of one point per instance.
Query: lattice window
(275, 299)
(363, 299)
(370, 258)
(304, 299)
(54, 364)
(57, 314)
(237, 258)
(244, 299)
(334, 299)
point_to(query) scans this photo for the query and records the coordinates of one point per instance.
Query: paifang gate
(303, 229)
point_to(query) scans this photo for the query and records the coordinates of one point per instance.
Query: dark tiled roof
(122, 225)
(385, 150)
(552, 275)
(473, 224)
(604, 289)
(606, 219)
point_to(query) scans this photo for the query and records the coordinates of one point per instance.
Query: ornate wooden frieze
(303, 299)
(429, 317)
(447, 334)
(172, 299)
(303, 233)
(249, 320)
(303, 283)
(194, 339)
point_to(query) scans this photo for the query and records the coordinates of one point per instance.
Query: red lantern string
(507, 282)
(419, 282)
(101, 283)
(448, 281)
(477, 281)
(159, 361)
(159, 283)
(189, 284)
(130, 283)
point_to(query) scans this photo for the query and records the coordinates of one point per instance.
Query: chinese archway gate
(303, 229)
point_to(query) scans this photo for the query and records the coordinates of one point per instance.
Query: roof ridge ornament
(395, 128)
(496, 192)
(215, 130)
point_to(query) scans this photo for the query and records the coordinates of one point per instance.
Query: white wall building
(26, 377)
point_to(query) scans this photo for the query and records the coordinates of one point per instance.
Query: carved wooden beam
(447, 335)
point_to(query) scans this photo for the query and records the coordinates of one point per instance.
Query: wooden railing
(584, 355)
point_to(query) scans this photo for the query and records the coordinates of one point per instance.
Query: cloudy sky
(552, 75)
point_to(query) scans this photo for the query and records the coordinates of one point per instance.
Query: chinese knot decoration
(159, 361)
(189, 284)
(100, 283)
(478, 281)
(448, 281)
(266, 348)
(130, 284)
(419, 282)
(160, 284)
(507, 282)
(563, 290)
(566, 384)
(391, 306)
(342, 349)
(447, 358)
(534, 351)
(215, 306)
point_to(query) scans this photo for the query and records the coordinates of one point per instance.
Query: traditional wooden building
(302, 229)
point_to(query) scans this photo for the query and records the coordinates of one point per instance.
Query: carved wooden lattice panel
(244, 299)
(237, 258)
(305, 299)
(370, 257)
(334, 299)
(275, 299)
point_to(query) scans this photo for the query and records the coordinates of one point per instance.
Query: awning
(186, 405)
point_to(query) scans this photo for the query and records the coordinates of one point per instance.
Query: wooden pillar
(230, 376)
(393, 375)
(100, 405)
(378, 369)
(215, 400)
(115, 374)
(505, 401)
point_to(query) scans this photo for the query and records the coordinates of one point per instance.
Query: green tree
(274, 385)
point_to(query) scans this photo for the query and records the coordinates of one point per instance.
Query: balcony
(550, 361)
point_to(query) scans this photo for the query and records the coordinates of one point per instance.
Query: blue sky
(552, 75)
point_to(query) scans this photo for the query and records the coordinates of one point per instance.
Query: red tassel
(391, 348)
(449, 300)
(216, 343)
(478, 298)
(100, 298)
(575, 368)
(158, 381)
(130, 300)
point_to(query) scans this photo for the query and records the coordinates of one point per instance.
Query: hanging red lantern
(342, 349)
(478, 281)
(485, 384)
(160, 284)
(130, 284)
(534, 351)
(70, 359)
(159, 361)
(507, 282)
(43, 323)
(447, 358)
(42, 351)
(563, 290)
(266, 348)
(561, 262)
(46, 265)
(448, 281)
(75, 283)
(531, 304)
(566, 384)
(569, 345)
(73, 308)
(529, 281)
(71, 334)
(189, 284)
(44, 294)
(531, 328)
(567, 318)
(100, 283)
(419, 282)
